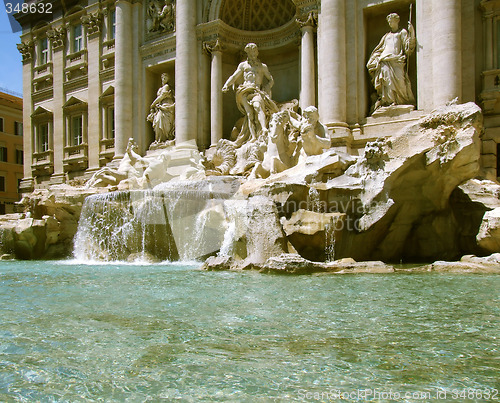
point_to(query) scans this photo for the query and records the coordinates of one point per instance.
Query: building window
(77, 38)
(18, 128)
(19, 157)
(44, 51)
(110, 120)
(1, 124)
(2, 208)
(43, 137)
(112, 23)
(2, 183)
(76, 130)
(3, 154)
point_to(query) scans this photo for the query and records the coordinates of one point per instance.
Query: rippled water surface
(71, 332)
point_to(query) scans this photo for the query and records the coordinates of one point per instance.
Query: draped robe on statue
(387, 69)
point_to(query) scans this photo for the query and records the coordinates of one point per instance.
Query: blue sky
(11, 68)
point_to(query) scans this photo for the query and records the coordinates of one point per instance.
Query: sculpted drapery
(387, 65)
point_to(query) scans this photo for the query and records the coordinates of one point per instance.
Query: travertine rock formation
(47, 227)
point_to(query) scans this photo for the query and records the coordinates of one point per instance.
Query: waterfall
(174, 221)
(330, 229)
(313, 200)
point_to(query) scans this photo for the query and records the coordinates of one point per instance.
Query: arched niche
(272, 26)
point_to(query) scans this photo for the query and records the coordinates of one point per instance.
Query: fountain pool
(124, 332)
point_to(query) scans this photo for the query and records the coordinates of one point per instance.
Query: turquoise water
(71, 332)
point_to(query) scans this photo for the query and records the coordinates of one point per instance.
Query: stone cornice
(236, 39)
(306, 6)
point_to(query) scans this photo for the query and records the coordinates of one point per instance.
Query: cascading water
(313, 200)
(174, 221)
(330, 229)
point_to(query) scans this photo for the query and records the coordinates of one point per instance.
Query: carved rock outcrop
(47, 227)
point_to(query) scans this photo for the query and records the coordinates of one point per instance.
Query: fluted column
(215, 93)
(332, 54)
(186, 73)
(307, 63)
(446, 47)
(123, 76)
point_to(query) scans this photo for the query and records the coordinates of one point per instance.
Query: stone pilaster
(123, 76)
(186, 74)
(307, 62)
(332, 78)
(93, 23)
(26, 50)
(446, 48)
(58, 42)
(215, 93)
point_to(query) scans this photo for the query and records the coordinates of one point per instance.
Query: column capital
(211, 47)
(93, 23)
(310, 20)
(57, 37)
(489, 6)
(26, 49)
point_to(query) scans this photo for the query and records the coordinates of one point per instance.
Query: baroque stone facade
(92, 70)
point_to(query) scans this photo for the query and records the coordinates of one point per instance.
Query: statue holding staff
(387, 65)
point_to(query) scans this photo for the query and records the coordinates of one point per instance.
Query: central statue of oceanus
(271, 137)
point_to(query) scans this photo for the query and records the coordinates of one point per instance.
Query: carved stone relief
(161, 16)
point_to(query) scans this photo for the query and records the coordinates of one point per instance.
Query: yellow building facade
(11, 150)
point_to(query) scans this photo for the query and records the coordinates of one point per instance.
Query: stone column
(215, 93)
(123, 77)
(446, 48)
(58, 41)
(186, 72)
(29, 146)
(93, 23)
(488, 41)
(332, 53)
(307, 63)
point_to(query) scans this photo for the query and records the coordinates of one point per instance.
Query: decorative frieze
(236, 39)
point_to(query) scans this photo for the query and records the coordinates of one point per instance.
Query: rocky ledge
(289, 263)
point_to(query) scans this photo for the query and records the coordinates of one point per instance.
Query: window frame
(19, 156)
(18, 125)
(4, 154)
(77, 39)
(43, 52)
